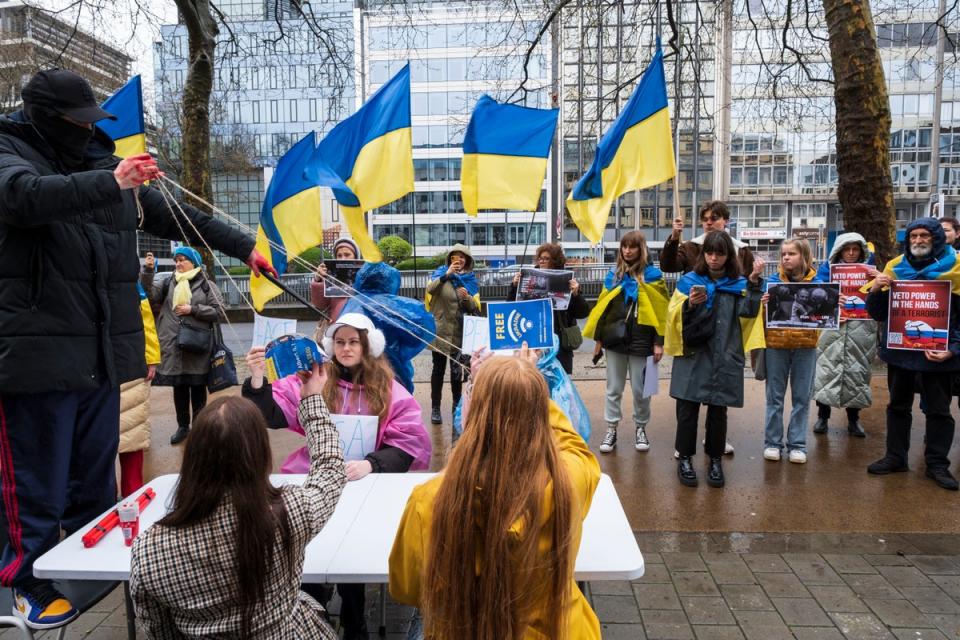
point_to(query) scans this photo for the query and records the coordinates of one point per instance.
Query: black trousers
(436, 379)
(184, 397)
(688, 414)
(935, 396)
(565, 358)
(823, 411)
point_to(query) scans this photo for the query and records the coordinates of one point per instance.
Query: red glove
(258, 263)
(135, 170)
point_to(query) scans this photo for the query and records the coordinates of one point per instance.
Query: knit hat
(190, 254)
(350, 243)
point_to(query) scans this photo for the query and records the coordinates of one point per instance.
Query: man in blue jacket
(926, 257)
(70, 326)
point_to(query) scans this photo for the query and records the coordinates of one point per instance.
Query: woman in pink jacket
(359, 382)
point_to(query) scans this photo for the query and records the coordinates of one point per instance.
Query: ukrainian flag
(367, 160)
(636, 153)
(505, 154)
(128, 131)
(290, 217)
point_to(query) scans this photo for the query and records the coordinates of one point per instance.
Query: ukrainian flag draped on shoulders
(128, 131)
(946, 267)
(751, 329)
(466, 280)
(635, 153)
(290, 219)
(505, 152)
(649, 292)
(367, 160)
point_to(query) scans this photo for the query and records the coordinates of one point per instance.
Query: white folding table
(355, 544)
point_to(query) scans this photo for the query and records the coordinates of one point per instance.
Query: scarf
(726, 284)
(933, 271)
(466, 280)
(629, 285)
(182, 293)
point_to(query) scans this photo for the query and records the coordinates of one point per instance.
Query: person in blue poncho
(451, 293)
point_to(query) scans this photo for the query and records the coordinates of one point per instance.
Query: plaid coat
(183, 580)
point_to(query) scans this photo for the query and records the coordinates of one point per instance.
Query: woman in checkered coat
(226, 562)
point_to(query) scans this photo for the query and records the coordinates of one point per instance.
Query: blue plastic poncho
(378, 286)
(562, 391)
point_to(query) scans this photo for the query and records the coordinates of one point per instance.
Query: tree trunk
(863, 125)
(195, 132)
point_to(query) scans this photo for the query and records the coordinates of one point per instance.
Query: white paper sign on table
(266, 329)
(358, 434)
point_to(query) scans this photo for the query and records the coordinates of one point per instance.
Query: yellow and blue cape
(127, 131)
(946, 267)
(751, 329)
(466, 280)
(635, 153)
(650, 294)
(505, 153)
(367, 160)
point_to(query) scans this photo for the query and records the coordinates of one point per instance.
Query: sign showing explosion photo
(803, 305)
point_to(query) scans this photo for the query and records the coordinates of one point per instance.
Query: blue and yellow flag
(128, 131)
(505, 153)
(289, 219)
(635, 153)
(367, 160)
(649, 293)
(751, 328)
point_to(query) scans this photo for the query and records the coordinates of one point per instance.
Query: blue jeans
(798, 367)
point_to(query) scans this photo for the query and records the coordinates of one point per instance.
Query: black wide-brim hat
(65, 92)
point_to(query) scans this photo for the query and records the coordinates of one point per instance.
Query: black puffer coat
(69, 308)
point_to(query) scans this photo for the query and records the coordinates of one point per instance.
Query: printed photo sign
(344, 271)
(554, 284)
(803, 305)
(513, 323)
(851, 278)
(919, 316)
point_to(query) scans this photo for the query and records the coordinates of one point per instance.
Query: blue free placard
(513, 323)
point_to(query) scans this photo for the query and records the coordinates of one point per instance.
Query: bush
(421, 263)
(241, 270)
(394, 249)
(313, 256)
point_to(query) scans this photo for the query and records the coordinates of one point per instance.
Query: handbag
(193, 339)
(223, 371)
(571, 338)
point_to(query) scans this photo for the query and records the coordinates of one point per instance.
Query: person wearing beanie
(71, 333)
(343, 249)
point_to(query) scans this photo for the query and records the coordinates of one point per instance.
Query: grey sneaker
(609, 441)
(642, 444)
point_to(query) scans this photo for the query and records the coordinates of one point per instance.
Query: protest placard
(476, 335)
(266, 329)
(851, 278)
(803, 305)
(358, 434)
(343, 273)
(512, 323)
(919, 315)
(536, 284)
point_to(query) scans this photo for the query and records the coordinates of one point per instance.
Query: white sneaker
(797, 456)
(771, 453)
(609, 441)
(642, 444)
(727, 449)
(676, 454)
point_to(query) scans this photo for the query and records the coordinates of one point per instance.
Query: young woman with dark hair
(522, 480)
(550, 256)
(712, 322)
(227, 560)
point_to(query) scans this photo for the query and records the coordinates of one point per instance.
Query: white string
(363, 299)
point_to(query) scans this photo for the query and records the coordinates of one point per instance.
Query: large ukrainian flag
(128, 131)
(636, 153)
(367, 160)
(505, 154)
(290, 218)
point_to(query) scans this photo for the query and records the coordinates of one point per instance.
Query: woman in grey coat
(844, 357)
(188, 298)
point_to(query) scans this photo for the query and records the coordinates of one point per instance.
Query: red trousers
(131, 472)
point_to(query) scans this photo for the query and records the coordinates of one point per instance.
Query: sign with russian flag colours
(919, 316)
(851, 277)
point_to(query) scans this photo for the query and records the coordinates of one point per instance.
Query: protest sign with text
(919, 315)
(554, 284)
(358, 434)
(851, 278)
(513, 323)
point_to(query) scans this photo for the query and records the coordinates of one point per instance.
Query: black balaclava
(67, 139)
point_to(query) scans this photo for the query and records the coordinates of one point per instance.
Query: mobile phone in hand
(698, 288)
(597, 356)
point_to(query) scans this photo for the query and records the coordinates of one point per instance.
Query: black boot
(435, 416)
(820, 426)
(715, 473)
(855, 429)
(688, 477)
(180, 434)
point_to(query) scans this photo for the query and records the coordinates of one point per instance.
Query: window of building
(274, 111)
(293, 111)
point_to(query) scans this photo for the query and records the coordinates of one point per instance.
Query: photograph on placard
(343, 273)
(536, 284)
(803, 305)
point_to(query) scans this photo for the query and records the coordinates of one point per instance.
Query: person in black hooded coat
(70, 326)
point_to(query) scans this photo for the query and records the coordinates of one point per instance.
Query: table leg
(383, 611)
(131, 614)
